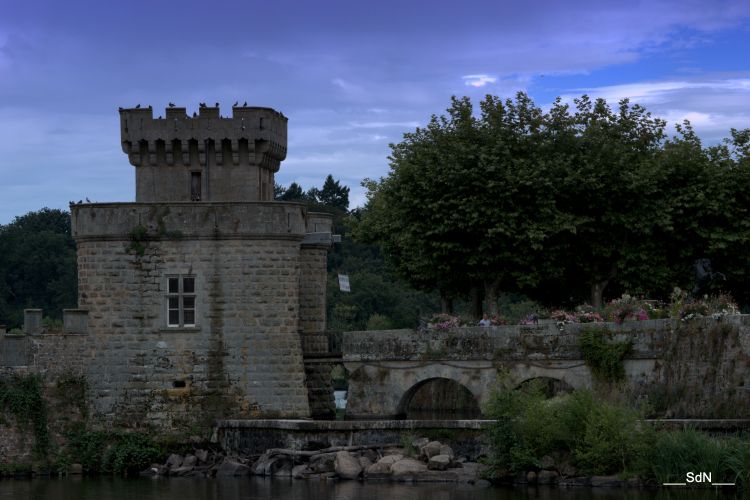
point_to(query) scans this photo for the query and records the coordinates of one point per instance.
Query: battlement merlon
(252, 136)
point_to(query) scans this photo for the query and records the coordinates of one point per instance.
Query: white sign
(344, 283)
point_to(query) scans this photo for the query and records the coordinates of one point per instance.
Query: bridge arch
(550, 386)
(438, 398)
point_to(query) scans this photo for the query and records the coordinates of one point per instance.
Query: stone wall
(242, 358)
(695, 369)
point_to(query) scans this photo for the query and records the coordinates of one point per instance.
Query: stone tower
(202, 293)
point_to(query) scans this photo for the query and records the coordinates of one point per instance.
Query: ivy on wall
(602, 355)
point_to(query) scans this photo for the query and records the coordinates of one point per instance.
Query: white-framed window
(180, 301)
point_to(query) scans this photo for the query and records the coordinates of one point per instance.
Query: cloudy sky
(351, 76)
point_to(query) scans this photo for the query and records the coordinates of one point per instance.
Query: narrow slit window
(195, 186)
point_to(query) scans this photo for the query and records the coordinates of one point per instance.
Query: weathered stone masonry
(195, 300)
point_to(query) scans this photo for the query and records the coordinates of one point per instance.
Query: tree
(561, 206)
(333, 194)
(293, 193)
(38, 265)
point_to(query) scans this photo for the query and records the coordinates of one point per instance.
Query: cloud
(408, 125)
(712, 104)
(478, 80)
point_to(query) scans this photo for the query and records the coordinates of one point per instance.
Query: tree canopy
(38, 265)
(562, 205)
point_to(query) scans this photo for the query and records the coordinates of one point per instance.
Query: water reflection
(276, 489)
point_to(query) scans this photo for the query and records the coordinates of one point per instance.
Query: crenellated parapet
(221, 158)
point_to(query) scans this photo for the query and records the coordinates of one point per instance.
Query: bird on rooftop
(88, 201)
(217, 104)
(202, 105)
(235, 104)
(244, 105)
(137, 106)
(149, 106)
(171, 105)
(119, 108)
(195, 114)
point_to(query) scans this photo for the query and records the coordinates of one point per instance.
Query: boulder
(174, 461)
(347, 466)
(390, 459)
(430, 449)
(531, 477)
(181, 470)
(407, 467)
(439, 462)
(567, 470)
(546, 477)
(190, 461)
(270, 465)
(281, 467)
(324, 462)
(447, 450)
(260, 466)
(364, 462)
(300, 471)
(202, 455)
(606, 482)
(371, 455)
(378, 470)
(231, 467)
(75, 469)
(418, 443)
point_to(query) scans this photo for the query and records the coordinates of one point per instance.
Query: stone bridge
(695, 369)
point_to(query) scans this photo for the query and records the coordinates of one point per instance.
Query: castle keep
(201, 299)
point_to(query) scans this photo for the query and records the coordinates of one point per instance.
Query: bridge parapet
(695, 369)
(515, 342)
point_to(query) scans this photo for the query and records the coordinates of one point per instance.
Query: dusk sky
(352, 76)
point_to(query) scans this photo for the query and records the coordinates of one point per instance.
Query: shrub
(379, 322)
(23, 396)
(673, 453)
(596, 436)
(612, 442)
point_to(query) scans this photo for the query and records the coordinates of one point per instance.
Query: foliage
(137, 238)
(604, 357)
(524, 201)
(52, 324)
(38, 265)
(101, 451)
(131, 453)
(627, 308)
(598, 437)
(375, 290)
(674, 452)
(23, 396)
(379, 322)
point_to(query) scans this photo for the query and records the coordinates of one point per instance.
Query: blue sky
(351, 76)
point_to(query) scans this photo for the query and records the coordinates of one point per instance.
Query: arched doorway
(549, 386)
(439, 399)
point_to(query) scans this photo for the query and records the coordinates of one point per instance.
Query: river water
(255, 488)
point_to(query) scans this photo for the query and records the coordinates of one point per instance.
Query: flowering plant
(443, 322)
(627, 308)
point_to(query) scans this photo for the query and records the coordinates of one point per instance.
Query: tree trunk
(476, 303)
(597, 290)
(446, 303)
(490, 293)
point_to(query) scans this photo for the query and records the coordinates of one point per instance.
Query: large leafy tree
(37, 265)
(563, 206)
